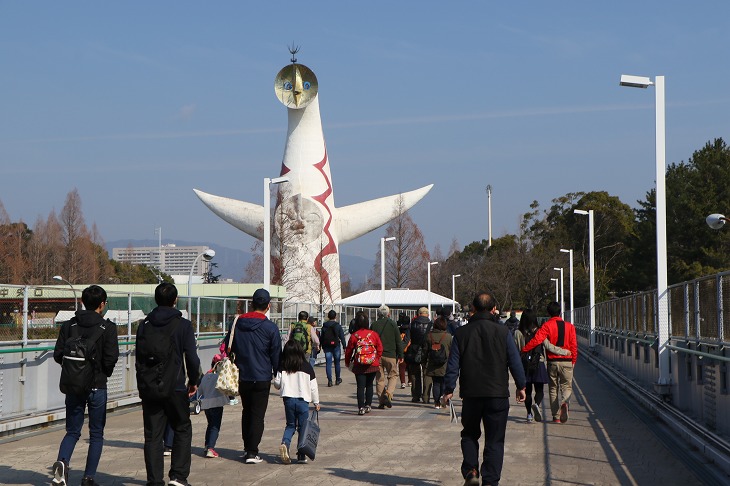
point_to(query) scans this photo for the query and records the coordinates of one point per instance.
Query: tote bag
(227, 371)
(309, 436)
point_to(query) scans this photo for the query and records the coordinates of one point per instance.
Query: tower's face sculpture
(308, 228)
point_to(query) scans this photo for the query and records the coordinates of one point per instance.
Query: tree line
(517, 268)
(62, 244)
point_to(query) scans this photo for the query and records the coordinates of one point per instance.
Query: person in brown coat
(436, 359)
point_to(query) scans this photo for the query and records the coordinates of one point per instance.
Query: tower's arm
(247, 217)
(358, 219)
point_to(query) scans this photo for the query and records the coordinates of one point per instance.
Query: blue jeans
(215, 418)
(297, 413)
(329, 355)
(75, 405)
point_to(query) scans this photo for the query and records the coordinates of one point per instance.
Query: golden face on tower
(295, 86)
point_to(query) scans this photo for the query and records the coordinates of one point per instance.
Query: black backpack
(157, 362)
(79, 358)
(437, 354)
(531, 359)
(329, 337)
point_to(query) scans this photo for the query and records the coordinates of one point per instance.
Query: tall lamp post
(206, 255)
(429, 287)
(562, 292)
(267, 227)
(556, 288)
(661, 221)
(382, 267)
(76, 299)
(592, 271)
(453, 289)
(489, 214)
(570, 252)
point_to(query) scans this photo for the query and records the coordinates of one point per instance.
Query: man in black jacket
(87, 322)
(331, 346)
(481, 353)
(174, 409)
(420, 327)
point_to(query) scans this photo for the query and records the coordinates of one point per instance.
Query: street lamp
(267, 227)
(661, 220)
(716, 221)
(592, 271)
(489, 214)
(382, 267)
(556, 288)
(453, 289)
(76, 299)
(206, 255)
(562, 292)
(429, 287)
(571, 280)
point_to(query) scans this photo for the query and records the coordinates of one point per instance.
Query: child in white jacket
(295, 378)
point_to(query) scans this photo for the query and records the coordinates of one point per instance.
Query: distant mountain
(231, 263)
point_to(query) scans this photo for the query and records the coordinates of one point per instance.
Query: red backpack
(365, 350)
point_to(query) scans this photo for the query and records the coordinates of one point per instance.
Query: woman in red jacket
(362, 356)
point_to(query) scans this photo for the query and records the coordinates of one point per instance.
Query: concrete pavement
(603, 443)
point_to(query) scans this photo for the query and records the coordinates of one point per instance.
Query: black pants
(365, 389)
(155, 416)
(416, 380)
(539, 394)
(493, 413)
(254, 399)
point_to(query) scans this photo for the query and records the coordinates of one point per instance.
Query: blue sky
(137, 103)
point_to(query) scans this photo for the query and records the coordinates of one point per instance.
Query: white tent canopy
(397, 298)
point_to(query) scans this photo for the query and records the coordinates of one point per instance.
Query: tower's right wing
(358, 219)
(247, 217)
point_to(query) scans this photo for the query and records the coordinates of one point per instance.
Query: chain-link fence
(696, 312)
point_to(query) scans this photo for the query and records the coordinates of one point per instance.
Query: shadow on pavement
(380, 479)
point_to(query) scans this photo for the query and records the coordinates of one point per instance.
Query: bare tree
(74, 235)
(406, 257)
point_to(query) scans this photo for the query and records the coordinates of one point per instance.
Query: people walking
(101, 336)
(481, 354)
(404, 326)
(298, 384)
(534, 363)
(420, 327)
(257, 349)
(305, 334)
(362, 356)
(438, 347)
(166, 350)
(392, 356)
(560, 368)
(331, 338)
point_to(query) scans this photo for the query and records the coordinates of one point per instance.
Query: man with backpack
(303, 333)
(416, 356)
(165, 356)
(87, 349)
(331, 338)
(392, 355)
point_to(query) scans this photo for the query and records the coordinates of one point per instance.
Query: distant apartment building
(170, 259)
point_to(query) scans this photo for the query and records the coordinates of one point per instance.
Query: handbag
(227, 371)
(309, 436)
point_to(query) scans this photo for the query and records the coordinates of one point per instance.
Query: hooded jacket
(256, 346)
(185, 346)
(107, 347)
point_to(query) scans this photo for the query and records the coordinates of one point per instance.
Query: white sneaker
(253, 459)
(536, 412)
(284, 454)
(530, 419)
(60, 473)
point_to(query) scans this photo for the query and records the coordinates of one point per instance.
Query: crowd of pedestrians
(428, 356)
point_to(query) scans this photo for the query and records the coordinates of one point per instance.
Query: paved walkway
(410, 444)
